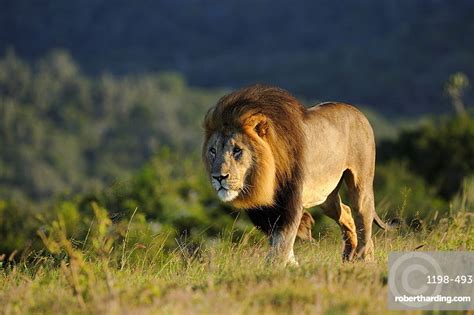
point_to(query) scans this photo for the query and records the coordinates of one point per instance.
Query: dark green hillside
(64, 132)
(391, 55)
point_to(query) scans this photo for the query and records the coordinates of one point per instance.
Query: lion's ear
(207, 124)
(259, 123)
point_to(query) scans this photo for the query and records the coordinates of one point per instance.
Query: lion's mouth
(224, 192)
(227, 195)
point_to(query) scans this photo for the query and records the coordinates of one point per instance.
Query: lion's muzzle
(220, 184)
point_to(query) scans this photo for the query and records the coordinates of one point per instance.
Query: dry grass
(216, 277)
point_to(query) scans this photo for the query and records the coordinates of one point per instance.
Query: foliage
(401, 194)
(441, 151)
(62, 132)
(170, 195)
(173, 193)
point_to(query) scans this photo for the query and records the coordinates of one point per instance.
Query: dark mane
(285, 117)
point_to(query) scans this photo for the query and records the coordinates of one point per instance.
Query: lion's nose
(219, 178)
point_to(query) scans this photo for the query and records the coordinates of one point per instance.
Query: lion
(266, 153)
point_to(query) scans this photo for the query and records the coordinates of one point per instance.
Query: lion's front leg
(281, 222)
(282, 249)
(282, 240)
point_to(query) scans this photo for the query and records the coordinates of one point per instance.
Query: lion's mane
(273, 121)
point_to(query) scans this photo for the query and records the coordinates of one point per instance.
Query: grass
(113, 275)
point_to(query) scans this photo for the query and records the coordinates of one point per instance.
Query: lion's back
(347, 119)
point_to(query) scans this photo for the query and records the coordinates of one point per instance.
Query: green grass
(110, 275)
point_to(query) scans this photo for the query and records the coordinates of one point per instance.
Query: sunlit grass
(211, 277)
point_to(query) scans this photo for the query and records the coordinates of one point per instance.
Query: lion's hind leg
(341, 213)
(361, 195)
(304, 229)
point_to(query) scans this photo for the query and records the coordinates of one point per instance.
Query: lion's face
(229, 161)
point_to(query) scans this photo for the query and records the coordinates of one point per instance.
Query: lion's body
(338, 137)
(267, 154)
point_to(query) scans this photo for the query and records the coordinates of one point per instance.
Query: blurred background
(101, 101)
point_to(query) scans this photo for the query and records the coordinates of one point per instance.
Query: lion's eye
(212, 151)
(237, 151)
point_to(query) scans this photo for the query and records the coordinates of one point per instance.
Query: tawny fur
(298, 159)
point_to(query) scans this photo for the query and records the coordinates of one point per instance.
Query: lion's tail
(392, 225)
(304, 230)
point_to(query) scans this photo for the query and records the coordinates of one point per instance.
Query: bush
(441, 151)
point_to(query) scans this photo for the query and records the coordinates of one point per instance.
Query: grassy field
(105, 274)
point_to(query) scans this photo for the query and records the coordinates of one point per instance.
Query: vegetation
(105, 207)
(133, 143)
(441, 151)
(63, 132)
(129, 271)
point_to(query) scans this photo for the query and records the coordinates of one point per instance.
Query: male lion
(268, 154)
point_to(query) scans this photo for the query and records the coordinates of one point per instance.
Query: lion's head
(252, 144)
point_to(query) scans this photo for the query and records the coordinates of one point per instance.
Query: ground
(217, 277)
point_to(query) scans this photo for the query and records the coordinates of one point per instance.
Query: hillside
(393, 56)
